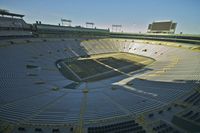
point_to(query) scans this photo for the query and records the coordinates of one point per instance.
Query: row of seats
(193, 99)
(41, 130)
(193, 115)
(164, 128)
(125, 127)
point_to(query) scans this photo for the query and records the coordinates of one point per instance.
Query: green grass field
(102, 66)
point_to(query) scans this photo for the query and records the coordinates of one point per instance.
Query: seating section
(162, 91)
(192, 115)
(14, 27)
(137, 104)
(193, 99)
(163, 127)
(62, 111)
(33, 91)
(122, 127)
(6, 22)
(4, 33)
(188, 119)
(44, 130)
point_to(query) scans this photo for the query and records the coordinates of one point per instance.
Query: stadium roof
(5, 12)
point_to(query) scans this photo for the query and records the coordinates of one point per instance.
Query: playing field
(102, 66)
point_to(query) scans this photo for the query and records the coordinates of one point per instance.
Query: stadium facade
(63, 79)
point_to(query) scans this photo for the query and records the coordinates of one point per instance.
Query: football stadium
(74, 79)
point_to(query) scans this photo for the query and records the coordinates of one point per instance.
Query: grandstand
(64, 79)
(12, 24)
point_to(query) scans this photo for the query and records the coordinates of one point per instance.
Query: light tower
(89, 25)
(116, 28)
(66, 22)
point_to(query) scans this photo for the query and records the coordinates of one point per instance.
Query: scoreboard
(162, 27)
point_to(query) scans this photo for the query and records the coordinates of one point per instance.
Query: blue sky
(134, 15)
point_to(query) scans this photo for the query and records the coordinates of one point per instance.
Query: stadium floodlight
(116, 28)
(89, 25)
(66, 22)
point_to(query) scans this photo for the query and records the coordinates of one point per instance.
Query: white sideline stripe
(114, 69)
(71, 71)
